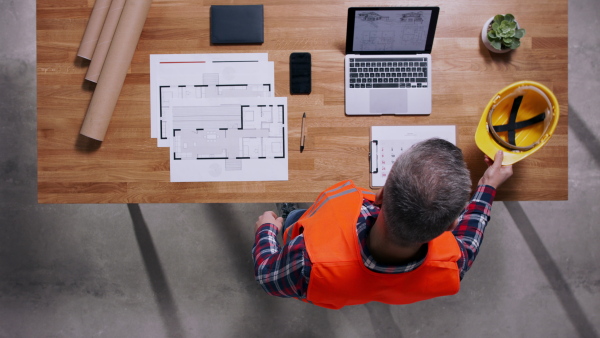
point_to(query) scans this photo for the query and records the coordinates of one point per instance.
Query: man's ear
(453, 225)
(379, 197)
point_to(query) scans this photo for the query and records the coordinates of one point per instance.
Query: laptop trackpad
(388, 101)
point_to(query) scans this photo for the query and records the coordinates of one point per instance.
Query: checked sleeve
(471, 225)
(280, 271)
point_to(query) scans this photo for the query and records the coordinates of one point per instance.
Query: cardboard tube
(115, 68)
(92, 31)
(106, 36)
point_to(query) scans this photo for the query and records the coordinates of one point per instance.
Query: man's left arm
(472, 222)
(471, 226)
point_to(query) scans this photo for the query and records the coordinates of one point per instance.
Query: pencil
(302, 136)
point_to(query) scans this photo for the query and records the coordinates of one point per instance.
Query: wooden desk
(128, 167)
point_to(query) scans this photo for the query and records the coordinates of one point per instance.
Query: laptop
(388, 60)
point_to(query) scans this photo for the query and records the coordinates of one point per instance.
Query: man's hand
(496, 173)
(269, 217)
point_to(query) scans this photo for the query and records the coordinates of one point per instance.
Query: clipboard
(388, 142)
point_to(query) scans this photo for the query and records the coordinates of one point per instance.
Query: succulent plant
(504, 32)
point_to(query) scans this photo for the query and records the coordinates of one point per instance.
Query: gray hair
(426, 190)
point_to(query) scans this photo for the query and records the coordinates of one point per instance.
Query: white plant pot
(487, 43)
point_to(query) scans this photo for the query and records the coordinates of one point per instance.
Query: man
(412, 241)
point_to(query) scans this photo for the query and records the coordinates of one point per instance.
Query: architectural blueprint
(204, 76)
(229, 140)
(219, 116)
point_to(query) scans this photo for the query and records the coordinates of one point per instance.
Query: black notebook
(236, 24)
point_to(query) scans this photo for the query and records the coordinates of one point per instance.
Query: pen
(302, 136)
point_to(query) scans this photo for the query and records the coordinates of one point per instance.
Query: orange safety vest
(339, 277)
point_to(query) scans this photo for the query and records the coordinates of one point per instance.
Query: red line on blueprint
(185, 62)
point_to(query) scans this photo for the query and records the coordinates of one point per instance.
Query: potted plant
(502, 33)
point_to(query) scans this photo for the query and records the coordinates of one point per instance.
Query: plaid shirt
(285, 271)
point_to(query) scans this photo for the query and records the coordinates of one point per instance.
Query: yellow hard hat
(518, 120)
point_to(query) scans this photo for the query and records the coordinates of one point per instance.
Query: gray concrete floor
(185, 270)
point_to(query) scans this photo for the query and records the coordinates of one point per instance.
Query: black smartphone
(300, 73)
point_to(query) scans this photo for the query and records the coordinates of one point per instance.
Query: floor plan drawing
(217, 141)
(204, 76)
(219, 116)
(210, 88)
(228, 132)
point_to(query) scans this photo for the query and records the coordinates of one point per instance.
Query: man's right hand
(269, 217)
(496, 173)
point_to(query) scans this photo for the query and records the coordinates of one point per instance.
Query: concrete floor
(185, 270)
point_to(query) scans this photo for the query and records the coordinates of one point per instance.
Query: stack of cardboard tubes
(109, 41)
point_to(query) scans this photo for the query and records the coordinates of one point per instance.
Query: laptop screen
(391, 30)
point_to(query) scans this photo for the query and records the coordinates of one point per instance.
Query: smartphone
(300, 73)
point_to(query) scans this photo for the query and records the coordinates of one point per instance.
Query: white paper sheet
(388, 142)
(207, 75)
(233, 139)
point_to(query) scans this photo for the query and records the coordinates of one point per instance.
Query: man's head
(426, 190)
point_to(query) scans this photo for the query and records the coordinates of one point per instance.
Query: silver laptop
(388, 60)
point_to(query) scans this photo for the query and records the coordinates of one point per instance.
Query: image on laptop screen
(391, 30)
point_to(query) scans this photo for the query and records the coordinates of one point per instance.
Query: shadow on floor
(557, 281)
(382, 320)
(158, 281)
(581, 130)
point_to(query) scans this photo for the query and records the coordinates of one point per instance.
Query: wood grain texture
(128, 167)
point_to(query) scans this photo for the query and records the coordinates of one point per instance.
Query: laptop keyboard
(409, 72)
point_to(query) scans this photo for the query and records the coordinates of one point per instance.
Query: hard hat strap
(512, 125)
(521, 124)
(512, 119)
